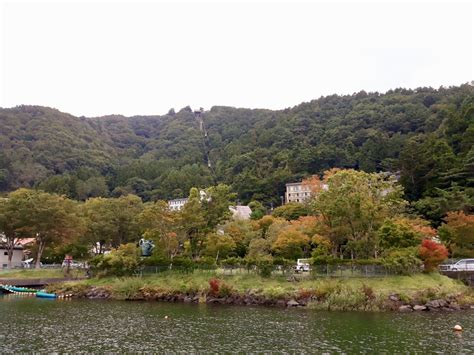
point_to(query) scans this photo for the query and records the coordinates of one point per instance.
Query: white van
(302, 265)
(461, 265)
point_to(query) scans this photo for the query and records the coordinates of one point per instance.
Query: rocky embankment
(250, 298)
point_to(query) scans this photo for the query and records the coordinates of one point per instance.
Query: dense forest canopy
(425, 135)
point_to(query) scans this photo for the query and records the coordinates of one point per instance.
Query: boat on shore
(42, 294)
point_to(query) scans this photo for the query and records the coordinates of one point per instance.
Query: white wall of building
(16, 260)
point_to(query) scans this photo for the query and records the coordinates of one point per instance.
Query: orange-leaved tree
(432, 254)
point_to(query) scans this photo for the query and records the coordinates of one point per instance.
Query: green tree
(259, 248)
(218, 246)
(193, 221)
(45, 217)
(258, 210)
(95, 186)
(215, 204)
(291, 211)
(112, 221)
(398, 233)
(353, 207)
(8, 226)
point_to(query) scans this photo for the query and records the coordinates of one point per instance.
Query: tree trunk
(10, 247)
(10, 257)
(41, 246)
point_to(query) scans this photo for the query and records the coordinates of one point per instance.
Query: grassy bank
(33, 273)
(320, 293)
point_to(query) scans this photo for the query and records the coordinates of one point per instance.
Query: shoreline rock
(250, 298)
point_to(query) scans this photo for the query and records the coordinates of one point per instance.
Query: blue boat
(45, 295)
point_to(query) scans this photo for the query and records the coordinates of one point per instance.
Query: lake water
(30, 324)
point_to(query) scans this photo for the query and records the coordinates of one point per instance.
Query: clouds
(94, 59)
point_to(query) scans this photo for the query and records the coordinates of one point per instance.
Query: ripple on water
(108, 326)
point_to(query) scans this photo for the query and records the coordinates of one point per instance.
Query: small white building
(240, 212)
(177, 204)
(17, 258)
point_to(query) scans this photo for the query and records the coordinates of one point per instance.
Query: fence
(327, 270)
(351, 270)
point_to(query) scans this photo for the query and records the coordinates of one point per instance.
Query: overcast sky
(131, 58)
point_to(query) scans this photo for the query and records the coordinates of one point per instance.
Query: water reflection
(30, 324)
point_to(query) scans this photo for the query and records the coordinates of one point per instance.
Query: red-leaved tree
(214, 285)
(432, 254)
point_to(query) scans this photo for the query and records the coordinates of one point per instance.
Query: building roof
(25, 241)
(294, 183)
(184, 199)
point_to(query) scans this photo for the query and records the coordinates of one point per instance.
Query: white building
(240, 212)
(17, 258)
(177, 204)
(301, 191)
(297, 192)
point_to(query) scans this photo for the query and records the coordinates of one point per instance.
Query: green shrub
(225, 290)
(402, 261)
(331, 260)
(265, 266)
(122, 261)
(182, 263)
(232, 262)
(326, 260)
(156, 260)
(206, 263)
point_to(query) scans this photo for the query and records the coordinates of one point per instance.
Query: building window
(5, 253)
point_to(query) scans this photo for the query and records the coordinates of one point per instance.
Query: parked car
(461, 265)
(28, 263)
(73, 264)
(302, 265)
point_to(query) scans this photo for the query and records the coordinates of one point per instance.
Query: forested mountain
(426, 135)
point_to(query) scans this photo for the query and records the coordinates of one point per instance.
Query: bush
(326, 260)
(291, 211)
(225, 290)
(232, 262)
(265, 266)
(122, 261)
(183, 263)
(331, 260)
(402, 261)
(206, 263)
(218, 288)
(156, 260)
(214, 285)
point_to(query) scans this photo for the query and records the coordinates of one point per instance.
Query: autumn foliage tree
(458, 233)
(291, 243)
(432, 254)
